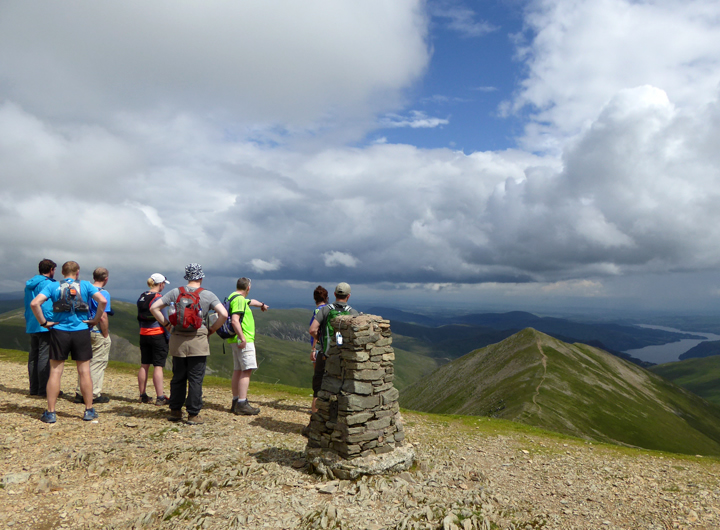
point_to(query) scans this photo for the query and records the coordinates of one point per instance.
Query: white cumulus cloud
(261, 266)
(335, 258)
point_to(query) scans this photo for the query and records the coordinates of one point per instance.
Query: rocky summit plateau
(134, 469)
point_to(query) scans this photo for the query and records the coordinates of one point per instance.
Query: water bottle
(338, 338)
(172, 314)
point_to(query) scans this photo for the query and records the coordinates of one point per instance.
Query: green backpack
(329, 331)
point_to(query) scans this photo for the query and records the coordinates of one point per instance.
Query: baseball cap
(343, 289)
(158, 278)
(194, 272)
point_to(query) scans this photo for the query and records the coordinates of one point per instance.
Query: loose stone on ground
(251, 472)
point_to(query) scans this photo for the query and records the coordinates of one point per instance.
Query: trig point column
(358, 429)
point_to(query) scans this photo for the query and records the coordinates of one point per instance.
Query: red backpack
(188, 314)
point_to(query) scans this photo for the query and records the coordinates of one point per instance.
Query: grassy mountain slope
(282, 342)
(12, 330)
(701, 376)
(704, 349)
(575, 389)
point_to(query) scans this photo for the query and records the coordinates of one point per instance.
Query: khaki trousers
(98, 363)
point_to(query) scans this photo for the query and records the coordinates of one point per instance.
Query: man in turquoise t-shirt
(69, 333)
(243, 346)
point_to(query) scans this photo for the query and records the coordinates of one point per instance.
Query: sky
(499, 154)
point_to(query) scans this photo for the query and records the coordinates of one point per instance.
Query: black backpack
(143, 305)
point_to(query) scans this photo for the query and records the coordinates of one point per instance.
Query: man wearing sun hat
(189, 348)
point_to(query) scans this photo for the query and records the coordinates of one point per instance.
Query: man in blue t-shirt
(100, 340)
(39, 355)
(69, 333)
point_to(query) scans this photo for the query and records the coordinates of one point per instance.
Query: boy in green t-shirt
(243, 346)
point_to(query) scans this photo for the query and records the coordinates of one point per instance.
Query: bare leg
(158, 380)
(243, 383)
(313, 407)
(142, 378)
(53, 384)
(236, 382)
(86, 385)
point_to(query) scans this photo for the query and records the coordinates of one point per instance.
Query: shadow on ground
(283, 457)
(283, 427)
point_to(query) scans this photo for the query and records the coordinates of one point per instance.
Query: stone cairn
(358, 429)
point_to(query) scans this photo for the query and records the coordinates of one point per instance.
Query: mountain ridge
(576, 389)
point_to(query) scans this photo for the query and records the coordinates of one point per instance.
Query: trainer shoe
(101, 399)
(48, 417)
(162, 400)
(175, 415)
(144, 398)
(90, 414)
(78, 398)
(244, 408)
(195, 419)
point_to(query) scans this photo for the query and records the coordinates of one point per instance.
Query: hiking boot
(244, 408)
(232, 407)
(175, 415)
(144, 398)
(306, 431)
(90, 414)
(101, 399)
(195, 419)
(48, 417)
(78, 398)
(162, 400)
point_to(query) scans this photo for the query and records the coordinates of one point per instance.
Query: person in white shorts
(243, 346)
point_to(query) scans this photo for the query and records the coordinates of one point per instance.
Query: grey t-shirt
(208, 300)
(322, 313)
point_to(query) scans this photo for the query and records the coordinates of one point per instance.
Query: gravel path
(134, 469)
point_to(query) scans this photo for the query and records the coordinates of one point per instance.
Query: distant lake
(670, 352)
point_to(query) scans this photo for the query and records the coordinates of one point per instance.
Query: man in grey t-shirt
(189, 348)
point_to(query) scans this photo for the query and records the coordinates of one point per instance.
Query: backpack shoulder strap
(181, 290)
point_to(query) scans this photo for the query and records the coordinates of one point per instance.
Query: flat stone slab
(332, 465)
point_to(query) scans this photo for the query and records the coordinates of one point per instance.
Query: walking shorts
(244, 359)
(75, 344)
(153, 349)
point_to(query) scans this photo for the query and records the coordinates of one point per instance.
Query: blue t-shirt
(70, 320)
(93, 307)
(32, 288)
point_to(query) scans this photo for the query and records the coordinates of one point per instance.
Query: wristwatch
(44, 324)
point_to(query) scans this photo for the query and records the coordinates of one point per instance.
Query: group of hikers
(69, 319)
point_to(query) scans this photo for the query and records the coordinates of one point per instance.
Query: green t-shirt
(239, 305)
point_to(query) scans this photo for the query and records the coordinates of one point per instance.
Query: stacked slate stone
(358, 412)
